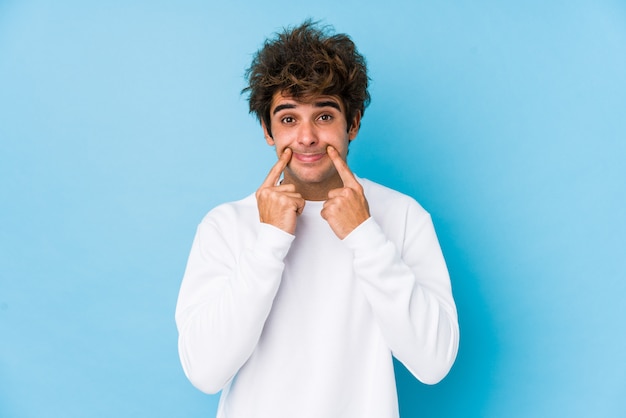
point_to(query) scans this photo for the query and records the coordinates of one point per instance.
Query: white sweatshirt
(305, 325)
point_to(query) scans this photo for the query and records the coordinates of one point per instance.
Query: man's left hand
(346, 207)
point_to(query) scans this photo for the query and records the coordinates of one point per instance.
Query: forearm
(223, 304)
(409, 291)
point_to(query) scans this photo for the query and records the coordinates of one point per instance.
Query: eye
(326, 117)
(288, 120)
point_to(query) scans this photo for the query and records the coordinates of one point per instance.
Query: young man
(295, 298)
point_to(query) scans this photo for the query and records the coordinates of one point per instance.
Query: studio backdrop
(122, 124)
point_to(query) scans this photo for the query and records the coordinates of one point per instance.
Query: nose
(307, 136)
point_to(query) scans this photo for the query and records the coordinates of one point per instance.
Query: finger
(342, 168)
(277, 169)
(334, 193)
(300, 207)
(296, 201)
(295, 196)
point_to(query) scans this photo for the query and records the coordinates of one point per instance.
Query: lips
(308, 158)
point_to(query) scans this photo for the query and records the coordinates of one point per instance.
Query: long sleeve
(406, 282)
(226, 295)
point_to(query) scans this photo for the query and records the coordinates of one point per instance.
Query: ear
(268, 137)
(354, 127)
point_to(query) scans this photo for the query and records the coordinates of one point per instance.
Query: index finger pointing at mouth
(342, 168)
(277, 169)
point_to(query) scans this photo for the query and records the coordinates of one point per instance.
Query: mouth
(308, 157)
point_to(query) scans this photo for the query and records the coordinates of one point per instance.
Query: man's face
(308, 126)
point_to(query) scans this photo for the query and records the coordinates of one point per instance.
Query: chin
(309, 179)
(311, 176)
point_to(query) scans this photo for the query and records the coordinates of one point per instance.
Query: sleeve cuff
(366, 237)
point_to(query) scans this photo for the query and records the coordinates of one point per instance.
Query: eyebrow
(283, 107)
(328, 103)
(325, 103)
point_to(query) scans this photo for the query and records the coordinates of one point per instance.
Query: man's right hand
(279, 205)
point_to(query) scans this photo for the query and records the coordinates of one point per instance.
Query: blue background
(122, 124)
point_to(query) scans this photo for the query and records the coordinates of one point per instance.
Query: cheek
(340, 142)
(280, 147)
(281, 139)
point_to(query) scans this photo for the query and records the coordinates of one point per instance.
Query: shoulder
(400, 217)
(228, 226)
(236, 212)
(384, 199)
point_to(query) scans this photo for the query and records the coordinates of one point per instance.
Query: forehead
(282, 101)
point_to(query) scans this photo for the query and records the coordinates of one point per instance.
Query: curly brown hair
(308, 60)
